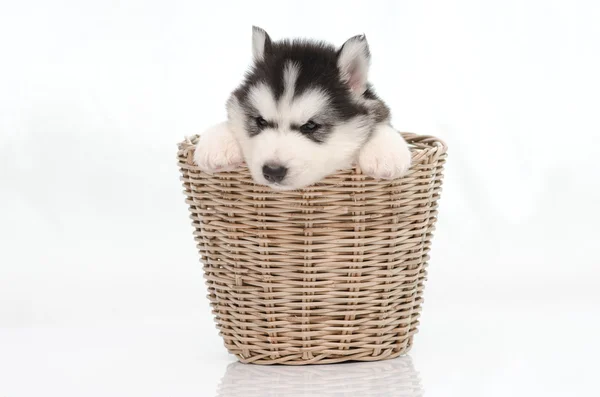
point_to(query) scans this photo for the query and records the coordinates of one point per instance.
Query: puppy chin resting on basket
(304, 110)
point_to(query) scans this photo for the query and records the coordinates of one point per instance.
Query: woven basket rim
(421, 146)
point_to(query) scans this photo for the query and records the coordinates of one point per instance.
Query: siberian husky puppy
(305, 110)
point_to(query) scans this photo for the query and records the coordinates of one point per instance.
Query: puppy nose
(274, 173)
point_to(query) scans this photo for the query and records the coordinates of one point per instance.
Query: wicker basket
(326, 274)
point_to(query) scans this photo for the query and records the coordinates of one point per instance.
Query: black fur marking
(317, 136)
(257, 128)
(379, 110)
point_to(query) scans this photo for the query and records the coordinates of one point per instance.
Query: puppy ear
(353, 63)
(261, 43)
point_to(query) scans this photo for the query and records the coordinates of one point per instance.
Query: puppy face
(303, 110)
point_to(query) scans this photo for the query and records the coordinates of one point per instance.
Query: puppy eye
(261, 123)
(309, 127)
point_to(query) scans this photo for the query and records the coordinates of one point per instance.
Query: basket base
(324, 358)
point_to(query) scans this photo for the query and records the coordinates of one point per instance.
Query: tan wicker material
(392, 378)
(326, 274)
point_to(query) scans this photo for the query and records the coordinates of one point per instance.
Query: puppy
(304, 110)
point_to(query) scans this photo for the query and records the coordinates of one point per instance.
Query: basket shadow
(389, 378)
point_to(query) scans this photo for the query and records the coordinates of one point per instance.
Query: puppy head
(302, 111)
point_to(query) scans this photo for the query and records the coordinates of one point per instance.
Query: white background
(101, 291)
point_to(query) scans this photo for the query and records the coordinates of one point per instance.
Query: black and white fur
(305, 110)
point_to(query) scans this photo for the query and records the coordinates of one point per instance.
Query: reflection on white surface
(391, 378)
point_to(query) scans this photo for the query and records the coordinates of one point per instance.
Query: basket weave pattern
(330, 273)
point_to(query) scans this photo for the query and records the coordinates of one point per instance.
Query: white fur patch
(306, 106)
(218, 150)
(290, 75)
(262, 99)
(307, 161)
(288, 110)
(386, 155)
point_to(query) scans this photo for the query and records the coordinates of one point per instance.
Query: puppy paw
(386, 155)
(217, 150)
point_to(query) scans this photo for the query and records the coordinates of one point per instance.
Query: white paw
(217, 150)
(386, 155)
